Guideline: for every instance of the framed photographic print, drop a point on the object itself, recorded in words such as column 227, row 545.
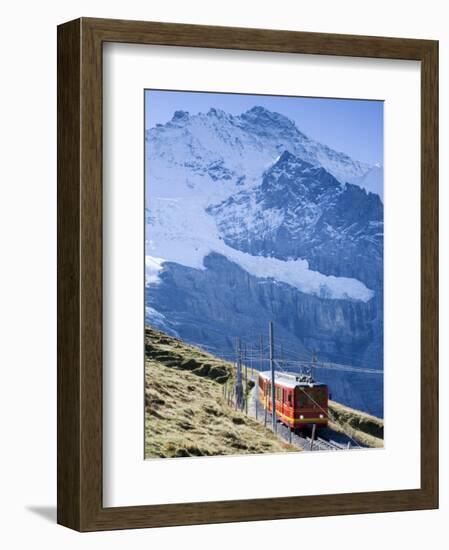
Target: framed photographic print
column 247, row 288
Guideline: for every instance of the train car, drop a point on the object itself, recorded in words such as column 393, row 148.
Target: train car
column 300, row 401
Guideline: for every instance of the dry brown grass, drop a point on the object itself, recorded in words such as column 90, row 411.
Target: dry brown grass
column 185, row 412
column 362, row 427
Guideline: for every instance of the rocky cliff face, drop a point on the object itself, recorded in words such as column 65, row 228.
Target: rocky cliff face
column 302, row 211
column 216, row 304
column 248, row 221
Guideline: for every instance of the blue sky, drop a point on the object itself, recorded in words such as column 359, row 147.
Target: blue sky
column 352, row 126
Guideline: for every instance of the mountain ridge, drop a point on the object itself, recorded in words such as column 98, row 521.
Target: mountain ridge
column 320, row 210
column 214, row 143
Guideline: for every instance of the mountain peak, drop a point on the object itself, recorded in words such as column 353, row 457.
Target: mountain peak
column 263, row 115
column 258, row 109
column 247, row 146
column 288, row 158
column 219, row 113
column 179, row 116
column 288, row 171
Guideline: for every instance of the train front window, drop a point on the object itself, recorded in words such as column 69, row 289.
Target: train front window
column 302, row 399
column 321, row 398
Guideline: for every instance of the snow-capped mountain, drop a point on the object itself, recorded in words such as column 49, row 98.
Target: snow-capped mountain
column 301, row 211
column 192, row 151
column 248, row 220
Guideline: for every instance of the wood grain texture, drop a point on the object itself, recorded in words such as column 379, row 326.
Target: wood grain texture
column 80, row 274
column 69, row 408
column 429, row 271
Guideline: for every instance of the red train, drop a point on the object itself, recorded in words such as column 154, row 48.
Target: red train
column 300, row 401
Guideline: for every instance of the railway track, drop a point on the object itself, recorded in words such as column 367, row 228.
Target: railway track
column 324, row 444
column 305, row 441
column 320, row 443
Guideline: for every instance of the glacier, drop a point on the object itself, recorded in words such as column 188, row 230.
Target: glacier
column 184, row 233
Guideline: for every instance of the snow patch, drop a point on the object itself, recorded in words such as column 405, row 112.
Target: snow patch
column 158, row 320
column 182, row 232
column 153, row 267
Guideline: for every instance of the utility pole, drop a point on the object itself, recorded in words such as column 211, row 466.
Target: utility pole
column 257, row 381
column 314, row 361
column 313, row 436
column 257, row 391
column 246, row 379
column 250, row 351
column 238, row 382
column 282, row 356
column 266, row 408
column 273, row 388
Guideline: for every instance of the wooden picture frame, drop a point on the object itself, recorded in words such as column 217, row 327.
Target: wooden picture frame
column 80, row 351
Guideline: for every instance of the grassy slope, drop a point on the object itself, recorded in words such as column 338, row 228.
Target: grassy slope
column 185, row 413
column 364, row 428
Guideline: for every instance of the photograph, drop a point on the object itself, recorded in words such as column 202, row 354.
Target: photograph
column 264, row 274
